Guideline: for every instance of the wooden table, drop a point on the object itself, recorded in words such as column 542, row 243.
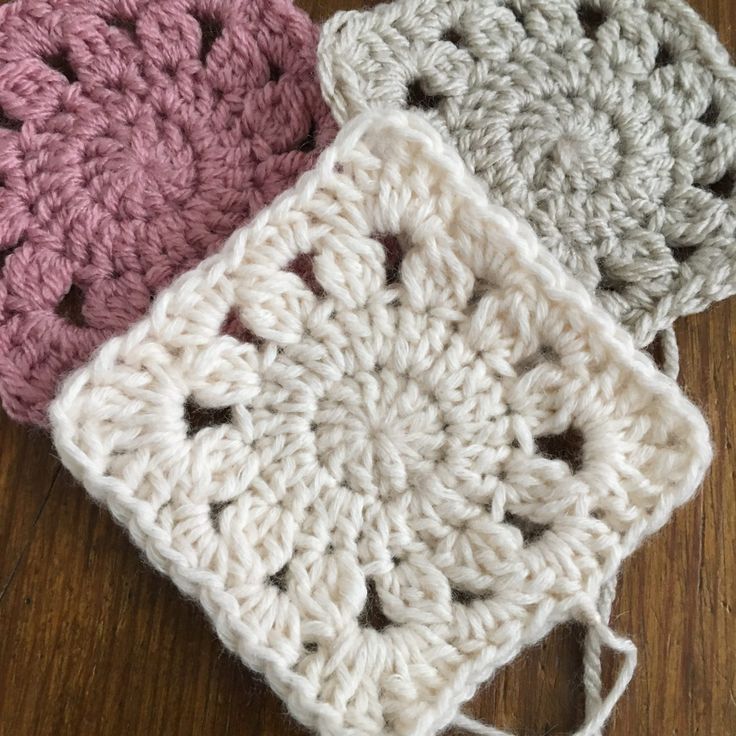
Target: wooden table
column 93, row 642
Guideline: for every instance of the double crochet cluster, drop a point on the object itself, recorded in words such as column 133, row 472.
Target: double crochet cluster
column 134, row 138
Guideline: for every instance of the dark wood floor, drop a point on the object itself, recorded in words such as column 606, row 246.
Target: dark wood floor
column 94, row 642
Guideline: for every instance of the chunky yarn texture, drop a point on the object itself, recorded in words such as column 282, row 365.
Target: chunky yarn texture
column 134, row 138
column 610, row 125
column 385, row 477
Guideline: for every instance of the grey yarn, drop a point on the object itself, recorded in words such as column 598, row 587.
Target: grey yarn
column 609, row 124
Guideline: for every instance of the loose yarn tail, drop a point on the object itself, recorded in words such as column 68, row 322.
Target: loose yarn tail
column 592, row 677
column 670, row 353
column 472, row 726
column 597, row 709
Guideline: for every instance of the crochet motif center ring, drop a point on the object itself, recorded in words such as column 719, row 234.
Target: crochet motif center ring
column 378, row 433
column 383, row 438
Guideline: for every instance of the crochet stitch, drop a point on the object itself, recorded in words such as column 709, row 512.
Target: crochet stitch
column 135, row 136
column 609, row 124
column 384, row 478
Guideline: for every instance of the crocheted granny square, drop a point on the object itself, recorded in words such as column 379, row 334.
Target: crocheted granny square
column 610, row 125
column 135, row 136
column 384, row 477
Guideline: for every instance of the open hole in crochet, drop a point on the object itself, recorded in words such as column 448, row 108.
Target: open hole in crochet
column 275, row 72
column 481, row 287
column 59, row 62
column 453, row 36
column 279, row 578
column 126, row 25
column 682, row 253
column 416, row 96
column 711, row 115
column 518, row 15
column 303, row 266
column 5, row 254
column 71, row 306
column 309, row 142
column 545, row 354
column 566, row 446
column 198, row 417
column 465, row 597
column 609, row 282
column 591, row 19
column 310, row 647
column 664, row 57
column 210, row 30
column 216, row 510
column 530, row 530
column 723, row 188
column 233, row 327
column 9, row 123
column 393, row 256
column 372, row 616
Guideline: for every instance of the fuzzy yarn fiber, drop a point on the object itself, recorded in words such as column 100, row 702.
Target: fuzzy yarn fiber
column 384, row 477
column 135, row 136
column 610, row 125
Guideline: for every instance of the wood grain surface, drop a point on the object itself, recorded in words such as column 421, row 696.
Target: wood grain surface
column 92, row 641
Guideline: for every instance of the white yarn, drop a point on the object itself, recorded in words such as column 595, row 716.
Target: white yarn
column 385, row 434
column 610, row 125
column 597, row 710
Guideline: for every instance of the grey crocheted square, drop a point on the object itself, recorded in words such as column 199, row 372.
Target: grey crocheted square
column 609, row 124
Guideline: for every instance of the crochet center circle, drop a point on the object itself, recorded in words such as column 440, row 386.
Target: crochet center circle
column 572, row 157
column 378, row 432
column 135, row 137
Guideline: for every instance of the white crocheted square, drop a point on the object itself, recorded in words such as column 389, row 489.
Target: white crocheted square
column 610, row 125
column 385, row 477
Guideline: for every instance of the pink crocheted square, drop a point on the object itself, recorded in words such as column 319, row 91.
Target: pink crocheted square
column 134, row 136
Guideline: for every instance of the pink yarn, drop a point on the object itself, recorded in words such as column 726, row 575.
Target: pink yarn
column 135, row 135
